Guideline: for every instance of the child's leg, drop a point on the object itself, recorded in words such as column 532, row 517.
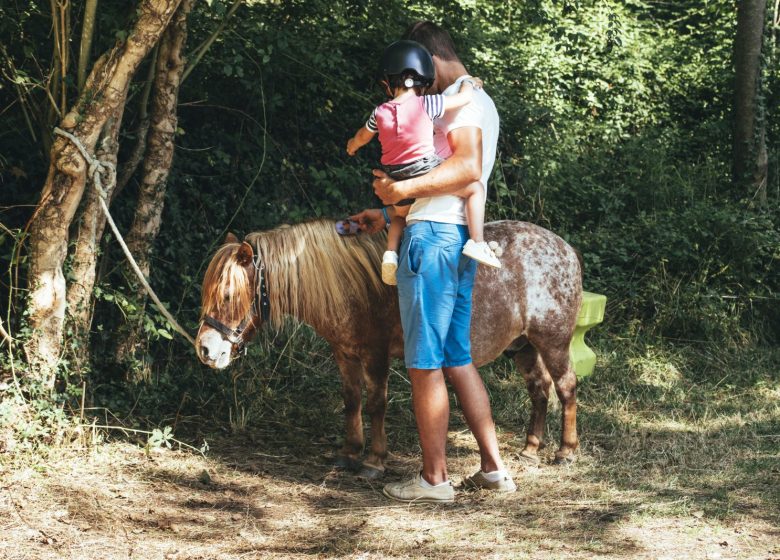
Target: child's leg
column 397, row 225
column 390, row 258
column 475, row 209
column 476, row 248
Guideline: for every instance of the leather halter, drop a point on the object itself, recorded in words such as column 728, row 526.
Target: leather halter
column 236, row 336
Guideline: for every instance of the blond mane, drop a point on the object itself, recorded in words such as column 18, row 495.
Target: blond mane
column 312, row 273
column 225, row 276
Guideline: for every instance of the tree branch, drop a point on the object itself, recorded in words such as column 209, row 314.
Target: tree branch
column 197, row 55
column 87, row 31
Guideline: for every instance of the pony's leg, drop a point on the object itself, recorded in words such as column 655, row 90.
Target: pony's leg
column 351, row 372
column 558, row 363
column 375, row 373
column 538, row 382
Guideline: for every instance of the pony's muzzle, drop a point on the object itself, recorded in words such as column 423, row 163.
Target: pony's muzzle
column 213, row 351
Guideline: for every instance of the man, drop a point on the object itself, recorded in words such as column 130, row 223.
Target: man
column 435, row 281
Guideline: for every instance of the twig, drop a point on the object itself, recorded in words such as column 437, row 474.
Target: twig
column 206, row 45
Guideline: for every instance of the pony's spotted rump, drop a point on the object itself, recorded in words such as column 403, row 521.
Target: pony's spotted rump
column 527, row 309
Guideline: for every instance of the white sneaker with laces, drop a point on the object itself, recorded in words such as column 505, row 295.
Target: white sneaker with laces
column 413, row 491
column 481, row 252
column 389, row 267
column 480, row 480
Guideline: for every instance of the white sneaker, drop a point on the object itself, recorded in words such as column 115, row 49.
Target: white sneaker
column 389, row 267
column 413, row 491
column 481, row 252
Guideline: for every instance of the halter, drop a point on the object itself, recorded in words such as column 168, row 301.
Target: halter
column 236, row 336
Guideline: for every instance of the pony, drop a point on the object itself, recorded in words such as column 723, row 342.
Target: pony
column 526, row 310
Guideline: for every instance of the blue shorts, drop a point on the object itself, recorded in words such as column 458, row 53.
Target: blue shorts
column 435, row 281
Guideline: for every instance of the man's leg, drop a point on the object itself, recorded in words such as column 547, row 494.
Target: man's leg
column 465, row 378
column 475, row 404
column 427, row 290
column 432, row 413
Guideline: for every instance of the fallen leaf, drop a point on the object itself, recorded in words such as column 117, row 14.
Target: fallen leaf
column 698, row 514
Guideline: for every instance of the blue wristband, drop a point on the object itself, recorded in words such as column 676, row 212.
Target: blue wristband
column 386, row 215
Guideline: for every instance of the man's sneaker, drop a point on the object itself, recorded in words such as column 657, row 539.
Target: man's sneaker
column 478, row 480
column 389, row 266
column 481, row 252
column 413, row 491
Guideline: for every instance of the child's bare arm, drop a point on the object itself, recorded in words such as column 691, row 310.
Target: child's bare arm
column 360, row 139
column 464, row 96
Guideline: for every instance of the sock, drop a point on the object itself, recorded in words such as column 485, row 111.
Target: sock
column 494, row 476
column 425, row 484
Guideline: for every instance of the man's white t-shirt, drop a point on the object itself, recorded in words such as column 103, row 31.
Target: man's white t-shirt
column 481, row 113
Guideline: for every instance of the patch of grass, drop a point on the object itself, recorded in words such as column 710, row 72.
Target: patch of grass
column 679, row 454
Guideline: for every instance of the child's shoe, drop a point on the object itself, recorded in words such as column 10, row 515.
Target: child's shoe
column 481, row 252
column 389, row 266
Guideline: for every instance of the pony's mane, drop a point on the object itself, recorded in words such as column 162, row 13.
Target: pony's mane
column 225, row 276
column 312, row 273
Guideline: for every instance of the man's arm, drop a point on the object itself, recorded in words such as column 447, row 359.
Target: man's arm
column 463, row 167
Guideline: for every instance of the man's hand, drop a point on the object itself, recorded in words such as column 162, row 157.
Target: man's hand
column 352, row 146
column 370, row 221
column 386, row 188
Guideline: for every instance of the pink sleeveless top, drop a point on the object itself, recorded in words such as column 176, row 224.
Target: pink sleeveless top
column 406, row 128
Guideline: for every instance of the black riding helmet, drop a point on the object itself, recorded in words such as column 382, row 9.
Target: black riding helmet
column 407, row 57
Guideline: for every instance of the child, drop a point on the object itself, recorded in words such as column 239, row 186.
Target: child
column 405, row 127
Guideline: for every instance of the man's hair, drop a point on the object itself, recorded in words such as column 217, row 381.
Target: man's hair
column 432, row 37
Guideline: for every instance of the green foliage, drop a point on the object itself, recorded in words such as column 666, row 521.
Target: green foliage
column 616, row 134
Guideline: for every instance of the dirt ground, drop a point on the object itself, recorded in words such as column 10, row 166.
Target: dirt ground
column 274, row 500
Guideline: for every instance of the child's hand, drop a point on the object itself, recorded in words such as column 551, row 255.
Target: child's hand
column 352, row 146
column 469, row 83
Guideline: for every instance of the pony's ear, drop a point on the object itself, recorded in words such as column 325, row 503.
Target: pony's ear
column 245, row 255
column 231, row 238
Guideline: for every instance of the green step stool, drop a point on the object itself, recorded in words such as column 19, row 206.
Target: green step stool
column 591, row 314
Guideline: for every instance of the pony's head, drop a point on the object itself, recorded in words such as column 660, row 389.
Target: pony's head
column 306, row 271
column 229, row 314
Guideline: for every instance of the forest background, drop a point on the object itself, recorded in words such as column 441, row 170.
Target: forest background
column 645, row 133
column 617, row 133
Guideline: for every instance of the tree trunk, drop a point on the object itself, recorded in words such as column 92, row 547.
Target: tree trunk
column 749, row 166
column 156, row 167
column 136, row 155
column 85, row 255
column 66, row 180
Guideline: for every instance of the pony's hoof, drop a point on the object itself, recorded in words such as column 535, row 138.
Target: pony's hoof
column 371, row 473
column 565, row 460
column 347, row 463
column 528, row 460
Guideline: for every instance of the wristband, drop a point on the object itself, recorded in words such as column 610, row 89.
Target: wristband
column 386, row 215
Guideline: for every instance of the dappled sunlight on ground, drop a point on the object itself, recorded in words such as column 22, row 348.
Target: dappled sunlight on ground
column 669, row 467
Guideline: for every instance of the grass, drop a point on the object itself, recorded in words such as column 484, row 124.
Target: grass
column 679, row 458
